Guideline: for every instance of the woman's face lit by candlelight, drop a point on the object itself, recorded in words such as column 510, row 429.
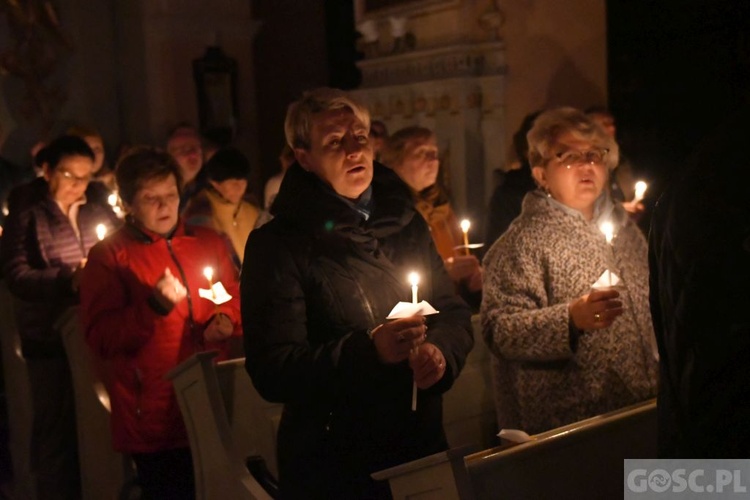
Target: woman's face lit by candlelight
column 339, row 152
column 156, row 204
column 578, row 183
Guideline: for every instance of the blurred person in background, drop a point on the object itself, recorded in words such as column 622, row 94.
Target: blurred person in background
column 221, row 204
column 412, row 153
column 185, row 145
column 44, row 250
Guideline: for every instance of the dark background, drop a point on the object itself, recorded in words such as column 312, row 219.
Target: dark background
column 676, row 70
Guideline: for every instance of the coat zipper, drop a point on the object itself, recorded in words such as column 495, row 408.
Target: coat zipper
column 191, row 320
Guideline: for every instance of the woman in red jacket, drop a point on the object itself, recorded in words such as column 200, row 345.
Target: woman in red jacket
column 143, row 314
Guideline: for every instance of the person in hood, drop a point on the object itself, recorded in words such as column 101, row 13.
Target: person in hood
column 318, row 284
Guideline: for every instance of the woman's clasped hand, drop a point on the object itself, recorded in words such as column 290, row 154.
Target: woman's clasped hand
column 598, row 309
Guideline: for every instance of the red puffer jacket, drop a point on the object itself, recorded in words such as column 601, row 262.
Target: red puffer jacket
column 141, row 343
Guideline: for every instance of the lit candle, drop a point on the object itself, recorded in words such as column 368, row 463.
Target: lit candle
column 414, row 281
column 609, row 231
column 101, row 231
column 208, row 272
column 112, row 199
column 465, row 225
column 640, row 190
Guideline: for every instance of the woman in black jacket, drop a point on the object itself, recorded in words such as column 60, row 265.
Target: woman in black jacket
column 317, row 284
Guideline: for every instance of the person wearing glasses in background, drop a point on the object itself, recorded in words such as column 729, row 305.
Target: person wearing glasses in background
column 564, row 352
column 44, row 249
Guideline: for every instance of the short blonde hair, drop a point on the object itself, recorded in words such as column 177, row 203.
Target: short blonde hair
column 551, row 124
column 299, row 114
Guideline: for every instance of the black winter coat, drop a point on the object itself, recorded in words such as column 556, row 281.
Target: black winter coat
column 699, row 253
column 315, row 280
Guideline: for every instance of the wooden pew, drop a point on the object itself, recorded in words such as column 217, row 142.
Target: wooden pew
column 105, row 473
column 583, row 460
column 226, row 422
column 252, row 423
column 469, row 406
column 253, row 420
column 18, row 395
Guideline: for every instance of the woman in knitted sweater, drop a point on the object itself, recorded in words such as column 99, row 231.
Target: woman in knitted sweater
column 564, row 351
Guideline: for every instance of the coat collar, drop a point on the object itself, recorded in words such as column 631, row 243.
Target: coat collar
column 306, row 201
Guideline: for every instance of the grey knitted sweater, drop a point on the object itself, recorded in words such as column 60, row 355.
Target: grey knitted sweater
column 547, row 374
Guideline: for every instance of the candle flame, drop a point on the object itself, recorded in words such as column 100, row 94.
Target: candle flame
column 413, row 279
column 608, row 229
column 208, row 272
column 112, row 198
column 640, row 190
column 465, row 225
column 101, row 231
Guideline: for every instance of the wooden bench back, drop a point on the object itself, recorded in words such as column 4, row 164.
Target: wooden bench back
column 582, row 460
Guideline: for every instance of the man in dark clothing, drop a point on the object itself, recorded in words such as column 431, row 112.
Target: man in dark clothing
column 505, row 204
column 317, row 285
column 699, row 252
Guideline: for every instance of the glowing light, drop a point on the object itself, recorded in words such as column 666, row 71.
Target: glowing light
column 101, row 231
column 609, row 231
column 414, row 281
column 465, row 225
column 640, row 190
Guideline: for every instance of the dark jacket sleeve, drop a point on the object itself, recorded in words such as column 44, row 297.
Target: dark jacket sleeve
column 24, row 266
column 279, row 358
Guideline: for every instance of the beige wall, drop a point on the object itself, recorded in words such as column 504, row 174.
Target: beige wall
column 555, row 50
column 556, row 53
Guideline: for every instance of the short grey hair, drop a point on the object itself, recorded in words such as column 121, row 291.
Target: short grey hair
column 553, row 123
column 299, row 114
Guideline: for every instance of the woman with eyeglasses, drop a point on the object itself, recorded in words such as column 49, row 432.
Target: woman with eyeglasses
column 45, row 245
column 412, row 153
column 566, row 350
